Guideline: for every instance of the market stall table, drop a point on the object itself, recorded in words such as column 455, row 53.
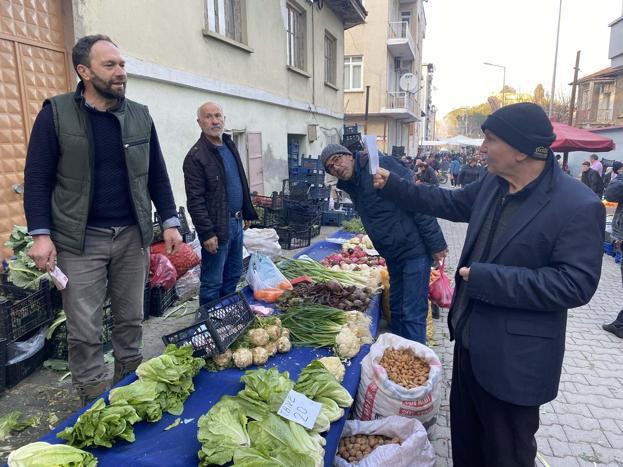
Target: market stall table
column 179, row 446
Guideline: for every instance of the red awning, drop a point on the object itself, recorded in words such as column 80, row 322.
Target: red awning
column 569, row 138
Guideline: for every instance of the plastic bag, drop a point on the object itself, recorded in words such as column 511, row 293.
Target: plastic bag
column 182, row 261
column 440, row 292
column 265, row 241
column 378, row 396
column 19, row 351
column 414, row 451
column 266, row 281
column 187, row 286
column 161, row 271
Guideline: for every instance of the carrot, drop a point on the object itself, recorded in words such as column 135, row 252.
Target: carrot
column 302, row 280
column 285, row 285
column 269, row 295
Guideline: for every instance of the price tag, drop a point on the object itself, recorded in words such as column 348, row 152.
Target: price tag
column 300, row 409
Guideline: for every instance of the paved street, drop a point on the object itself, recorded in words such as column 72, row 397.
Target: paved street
column 584, row 425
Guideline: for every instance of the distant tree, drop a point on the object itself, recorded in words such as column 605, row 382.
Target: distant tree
column 539, row 94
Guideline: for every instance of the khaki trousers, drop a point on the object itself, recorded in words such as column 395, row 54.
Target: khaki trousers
column 113, row 263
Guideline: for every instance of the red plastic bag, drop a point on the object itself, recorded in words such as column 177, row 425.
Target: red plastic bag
column 440, row 292
column 161, row 271
column 184, row 260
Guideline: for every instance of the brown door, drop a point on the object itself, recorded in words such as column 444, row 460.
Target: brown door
column 255, row 163
column 33, row 66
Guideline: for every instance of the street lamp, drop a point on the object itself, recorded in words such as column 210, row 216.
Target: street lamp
column 503, row 80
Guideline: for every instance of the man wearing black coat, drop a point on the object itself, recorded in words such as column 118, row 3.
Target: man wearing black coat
column 218, row 202
column 408, row 241
column 533, row 250
column 592, row 179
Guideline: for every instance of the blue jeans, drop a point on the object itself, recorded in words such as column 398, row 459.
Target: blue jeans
column 408, row 297
column 220, row 272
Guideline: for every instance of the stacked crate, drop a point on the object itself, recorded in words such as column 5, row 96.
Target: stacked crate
column 23, row 314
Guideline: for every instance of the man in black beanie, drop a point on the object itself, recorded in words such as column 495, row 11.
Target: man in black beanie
column 614, row 193
column 533, row 249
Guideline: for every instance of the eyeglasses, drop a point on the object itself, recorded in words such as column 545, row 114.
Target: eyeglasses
column 336, row 159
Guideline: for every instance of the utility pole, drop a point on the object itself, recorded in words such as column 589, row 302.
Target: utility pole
column 551, row 97
column 574, row 87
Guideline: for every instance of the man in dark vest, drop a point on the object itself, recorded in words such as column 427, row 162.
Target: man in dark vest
column 533, row 250
column 218, row 202
column 93, row 168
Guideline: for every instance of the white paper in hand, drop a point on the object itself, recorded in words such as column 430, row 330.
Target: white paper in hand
column 59, row 278
column 373, row 153
column 300, row 409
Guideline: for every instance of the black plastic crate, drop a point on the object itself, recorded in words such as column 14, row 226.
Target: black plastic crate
column 146, row 301
column 3, row 358
column 22, row 310
column 294, row 236
column 58, row 343
column 311, row 163
column 275, row 201
column 351, row 130
column 267, row 217
column 218, row 325
column 184, row 228
column 160, row 300
column 332, row 217
column 319, row 192
column 18, row 371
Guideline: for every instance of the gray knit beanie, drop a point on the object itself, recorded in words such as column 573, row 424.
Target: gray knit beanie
column 332, row 149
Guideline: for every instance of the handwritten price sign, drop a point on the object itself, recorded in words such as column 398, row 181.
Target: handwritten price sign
column 300, row 409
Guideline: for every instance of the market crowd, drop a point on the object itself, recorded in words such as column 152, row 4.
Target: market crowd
column 533, row 247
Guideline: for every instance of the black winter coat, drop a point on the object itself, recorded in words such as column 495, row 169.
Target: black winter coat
column 396, row 233
column 206, row 192
column 547, row 260
column 468, row 175
column 592, row 179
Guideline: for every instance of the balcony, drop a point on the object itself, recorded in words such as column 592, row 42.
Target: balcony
column 401, row 106
column 598, row 116
column 399, row 40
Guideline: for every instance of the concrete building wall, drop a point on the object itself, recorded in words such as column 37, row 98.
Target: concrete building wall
column 175, row 65
column 369, row 40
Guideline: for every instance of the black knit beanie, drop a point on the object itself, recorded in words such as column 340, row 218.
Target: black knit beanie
column 524, row 126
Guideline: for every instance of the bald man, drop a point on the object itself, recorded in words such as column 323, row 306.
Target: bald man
column 219, row 203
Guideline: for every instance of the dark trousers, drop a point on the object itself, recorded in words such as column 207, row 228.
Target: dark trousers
column 485, row 430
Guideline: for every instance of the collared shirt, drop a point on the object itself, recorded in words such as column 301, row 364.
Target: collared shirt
column 598, row 167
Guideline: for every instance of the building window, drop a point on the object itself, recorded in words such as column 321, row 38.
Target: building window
column 330, row 59
column 226, row 17
column 353, row 73
column 296, row 37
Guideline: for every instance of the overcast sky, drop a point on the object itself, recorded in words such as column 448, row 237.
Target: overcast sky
column 520, row 34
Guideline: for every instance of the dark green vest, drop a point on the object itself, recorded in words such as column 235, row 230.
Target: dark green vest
column 71, row 198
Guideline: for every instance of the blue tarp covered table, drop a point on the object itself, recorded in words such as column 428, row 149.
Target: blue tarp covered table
column 179, row 446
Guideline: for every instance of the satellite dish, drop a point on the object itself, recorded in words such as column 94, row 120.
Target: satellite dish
column 408, row 82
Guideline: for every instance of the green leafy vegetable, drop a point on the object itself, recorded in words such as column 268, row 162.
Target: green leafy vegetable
column 44, row 454
column 315, row 381
column 274, row 434
column 175, row 423
column 101, row 425
column 173, row 371
column 12, row 423
column 268, row 386
column 142, row 395
column 221, row 432
column 19, row 239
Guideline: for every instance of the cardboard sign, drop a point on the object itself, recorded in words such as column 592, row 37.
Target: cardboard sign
column 300, row 409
